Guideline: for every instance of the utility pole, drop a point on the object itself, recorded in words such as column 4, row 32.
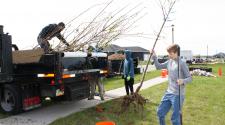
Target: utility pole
column 207, row 53
column 172, row 33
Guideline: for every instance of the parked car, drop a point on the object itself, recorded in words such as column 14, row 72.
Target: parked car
column 197, row 60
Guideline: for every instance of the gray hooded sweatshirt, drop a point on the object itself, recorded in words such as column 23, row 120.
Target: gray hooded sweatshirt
column 172, row 67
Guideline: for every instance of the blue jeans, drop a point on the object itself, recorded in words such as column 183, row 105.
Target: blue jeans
column 168, row 101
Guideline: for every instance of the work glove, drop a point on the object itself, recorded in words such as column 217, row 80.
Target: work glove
column 128, row 78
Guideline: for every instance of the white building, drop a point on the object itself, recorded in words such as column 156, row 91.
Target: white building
column 186, row 55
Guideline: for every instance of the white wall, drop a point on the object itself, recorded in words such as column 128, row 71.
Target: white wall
column 186, row 54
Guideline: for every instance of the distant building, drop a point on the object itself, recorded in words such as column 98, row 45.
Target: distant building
column 186, row 55
column 112, row 49
column 219, row 55
column 137, row 52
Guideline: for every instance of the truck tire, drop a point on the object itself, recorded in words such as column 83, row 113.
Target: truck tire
column 10, row 100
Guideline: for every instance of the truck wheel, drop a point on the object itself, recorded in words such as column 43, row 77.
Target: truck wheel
column 10, row 99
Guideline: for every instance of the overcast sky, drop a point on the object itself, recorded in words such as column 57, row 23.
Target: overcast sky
column 198, row 23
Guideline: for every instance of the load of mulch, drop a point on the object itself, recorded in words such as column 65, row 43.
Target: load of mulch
column 116, row 57
column 27, row 56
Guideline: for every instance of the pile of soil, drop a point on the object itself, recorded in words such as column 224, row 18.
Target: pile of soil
column 27, row 56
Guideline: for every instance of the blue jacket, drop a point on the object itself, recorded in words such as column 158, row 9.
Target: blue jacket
column 128, row 67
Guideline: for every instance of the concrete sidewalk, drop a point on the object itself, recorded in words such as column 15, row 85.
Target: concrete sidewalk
column 116, row 93
column 46, row 115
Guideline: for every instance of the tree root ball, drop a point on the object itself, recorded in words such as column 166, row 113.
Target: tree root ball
column 136, row 99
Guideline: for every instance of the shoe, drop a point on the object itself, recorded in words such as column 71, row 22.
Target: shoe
column 102, row 99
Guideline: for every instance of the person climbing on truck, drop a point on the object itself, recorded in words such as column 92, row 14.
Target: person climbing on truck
column 48, row 32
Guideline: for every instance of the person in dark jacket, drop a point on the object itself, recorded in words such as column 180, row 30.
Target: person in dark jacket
column 48, row 32
column 94, row 78
column 128, row 72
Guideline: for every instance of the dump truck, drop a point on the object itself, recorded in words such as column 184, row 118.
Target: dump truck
column 27, row 77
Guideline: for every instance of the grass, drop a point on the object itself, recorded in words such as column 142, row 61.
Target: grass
column 204, row 105
column 3, row 115
column 143, row 62
column 117, row 81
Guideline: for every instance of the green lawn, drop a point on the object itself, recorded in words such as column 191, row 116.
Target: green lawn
column 143, row 62
column 2, row 115
column 204, row 105
column 117, row 81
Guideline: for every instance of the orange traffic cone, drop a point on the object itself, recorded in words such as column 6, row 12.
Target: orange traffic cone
column 163, row 73
column 105, row 123
column 220, row 71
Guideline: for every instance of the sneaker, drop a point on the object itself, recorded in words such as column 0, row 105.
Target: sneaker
column 102, row 98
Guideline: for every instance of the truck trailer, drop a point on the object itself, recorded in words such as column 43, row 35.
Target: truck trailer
column 27, row 77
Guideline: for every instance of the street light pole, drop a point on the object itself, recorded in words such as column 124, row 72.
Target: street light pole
column 207, row 53
column 172, row 33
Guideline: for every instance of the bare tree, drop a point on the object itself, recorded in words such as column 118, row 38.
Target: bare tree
column 102, row 29
column 136, row 99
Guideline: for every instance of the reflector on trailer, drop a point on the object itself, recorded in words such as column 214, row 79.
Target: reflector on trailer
column 68, row 76
column 31, row 102
column 46, row 75
column 52, row 82
column 103, row 71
